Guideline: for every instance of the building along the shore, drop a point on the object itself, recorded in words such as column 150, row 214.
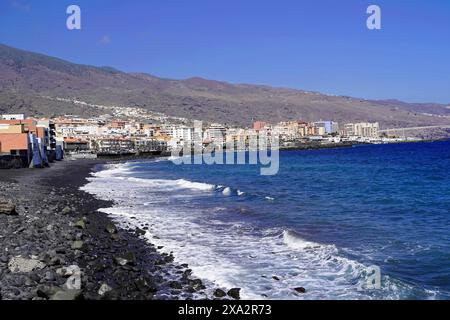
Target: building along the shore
column 363, row 130
column 28, row 141
column 330, row 127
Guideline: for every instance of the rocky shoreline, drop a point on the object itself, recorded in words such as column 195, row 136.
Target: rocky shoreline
column 55, row 245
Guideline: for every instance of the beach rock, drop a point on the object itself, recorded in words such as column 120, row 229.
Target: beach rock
column 115, row 237
column 49, row 276
column 66, row 211
column 104, row 289
column 125, row 259
column 67, row 295
column 80, row 224
column 73, row 283
column 175, row 285
column 79, row 245
column 111, row 228
column 46, row 292
column 22, row 265
column 234, row 293
column 140, row 232
column 197, row 284
column 300, row 290
column 219, row 293
column 7, row 207
column 145, row 285
column 69, row 271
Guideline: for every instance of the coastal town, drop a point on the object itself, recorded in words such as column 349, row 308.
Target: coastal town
column 36, row 142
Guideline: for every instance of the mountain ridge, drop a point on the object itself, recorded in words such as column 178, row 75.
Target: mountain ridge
column 25, row 77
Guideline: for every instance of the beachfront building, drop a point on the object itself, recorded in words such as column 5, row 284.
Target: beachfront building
column 259, row 125
column 150, row 130
column 114, row 146
column 76, row 145
column 238, row 138
column 148, row 145
column 215, row 132
column 28, row 140
column 12, row 116
column 330, row 127
column 362, row 130
column 14, row 139
column 182, row 133
column 287, row 131
column 71, row 127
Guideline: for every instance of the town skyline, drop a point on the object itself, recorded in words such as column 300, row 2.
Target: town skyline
column 35, row 142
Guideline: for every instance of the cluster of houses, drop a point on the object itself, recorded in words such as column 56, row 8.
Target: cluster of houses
column 27, row 142
column 32, row 142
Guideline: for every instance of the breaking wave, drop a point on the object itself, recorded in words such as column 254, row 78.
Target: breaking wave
column 265, row 262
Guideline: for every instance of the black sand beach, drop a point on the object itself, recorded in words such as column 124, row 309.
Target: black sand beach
column 59, row 247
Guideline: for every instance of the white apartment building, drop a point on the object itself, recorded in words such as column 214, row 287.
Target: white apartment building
column 77, row 130
column 287, row 130
column 13, row 117
column 182, row 133
column 215, row 132
column 362, row 129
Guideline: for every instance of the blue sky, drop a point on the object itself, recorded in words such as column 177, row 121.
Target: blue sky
column 319, row 45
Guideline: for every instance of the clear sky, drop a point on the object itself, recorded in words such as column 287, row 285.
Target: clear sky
column 319, row 45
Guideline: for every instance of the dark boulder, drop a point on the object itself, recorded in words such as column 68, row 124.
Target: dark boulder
column 234, row 293
column 175, row 285
column 300, row 290
column 140, row 232
column 111, row 228
column 219, row 293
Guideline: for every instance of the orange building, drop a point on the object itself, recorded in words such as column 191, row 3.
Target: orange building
column 14, row 143
column 259, row 125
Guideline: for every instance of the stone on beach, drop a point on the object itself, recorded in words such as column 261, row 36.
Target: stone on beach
column 79, row 245
column 67, row 295
column 140, row 232
column 104, row 289
column 22, row 265
column 300, row 290
column 219, row 293
column 66, row 210
column 68, row 271
column 234, row 293
column 73, row 283
column 111, row 228
column 80, row 224
column 7, row 207
column 126, row 259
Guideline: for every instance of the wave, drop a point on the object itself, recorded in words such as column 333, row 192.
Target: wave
column 294, row 241
column 233, row 253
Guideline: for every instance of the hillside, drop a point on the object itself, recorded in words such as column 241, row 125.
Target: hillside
column 27, row 79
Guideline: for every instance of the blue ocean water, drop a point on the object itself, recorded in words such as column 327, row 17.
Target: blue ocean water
column 319, row 224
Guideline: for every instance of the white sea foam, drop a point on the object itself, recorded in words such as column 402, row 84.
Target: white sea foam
column 226, row 191
column 232, row 254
